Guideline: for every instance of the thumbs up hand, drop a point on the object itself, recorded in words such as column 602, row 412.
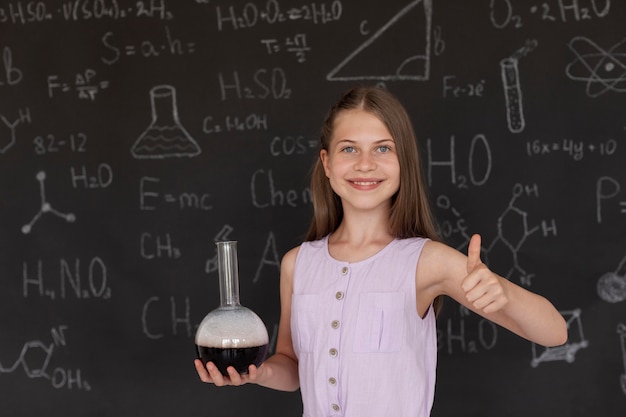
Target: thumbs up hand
column 483, row 289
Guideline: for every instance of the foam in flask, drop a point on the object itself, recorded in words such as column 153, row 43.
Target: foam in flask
column 231, row 335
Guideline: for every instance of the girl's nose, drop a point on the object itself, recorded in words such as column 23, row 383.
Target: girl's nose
column 365, row 162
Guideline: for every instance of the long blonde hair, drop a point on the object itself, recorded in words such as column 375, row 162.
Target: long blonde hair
column 410, row 214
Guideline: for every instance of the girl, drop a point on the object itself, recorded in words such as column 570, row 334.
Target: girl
column 359, row 297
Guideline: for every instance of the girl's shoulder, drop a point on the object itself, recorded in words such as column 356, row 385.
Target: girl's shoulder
column 438, row 261
column 290, row 256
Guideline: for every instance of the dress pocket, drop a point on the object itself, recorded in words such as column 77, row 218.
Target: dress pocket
column 379, row 322
column 305, row 312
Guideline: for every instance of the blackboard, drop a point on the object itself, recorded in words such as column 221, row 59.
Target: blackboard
column 107, row 257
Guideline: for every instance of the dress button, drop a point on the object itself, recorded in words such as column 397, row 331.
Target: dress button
column 334, row 324
column 339, row 295
column 344, row 270
column 332, row 352
column 335, row 407
column 332, row 381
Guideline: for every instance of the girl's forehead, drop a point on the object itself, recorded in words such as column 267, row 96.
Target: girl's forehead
column 351, row 119
column 359, row 123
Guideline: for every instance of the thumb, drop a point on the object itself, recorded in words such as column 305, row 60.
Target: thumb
column 473, row 253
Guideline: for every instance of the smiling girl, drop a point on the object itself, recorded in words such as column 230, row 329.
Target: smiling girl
column 359, row 297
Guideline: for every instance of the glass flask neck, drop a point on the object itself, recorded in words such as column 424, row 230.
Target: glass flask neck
column 228, row 273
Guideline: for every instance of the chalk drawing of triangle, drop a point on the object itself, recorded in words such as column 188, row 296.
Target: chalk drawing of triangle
column 399, row 50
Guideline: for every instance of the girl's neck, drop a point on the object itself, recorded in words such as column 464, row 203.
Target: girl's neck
column 357, row 239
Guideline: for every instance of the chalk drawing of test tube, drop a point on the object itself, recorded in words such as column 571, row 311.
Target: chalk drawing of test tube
column 512, row 94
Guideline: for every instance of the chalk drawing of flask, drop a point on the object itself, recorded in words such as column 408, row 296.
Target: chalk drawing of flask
column 165, row 136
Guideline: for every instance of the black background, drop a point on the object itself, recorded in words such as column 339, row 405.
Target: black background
column 98, row 314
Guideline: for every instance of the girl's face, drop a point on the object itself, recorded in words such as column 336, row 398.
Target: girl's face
column 361, row 161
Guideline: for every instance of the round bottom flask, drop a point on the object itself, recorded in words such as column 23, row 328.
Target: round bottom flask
column 231, row 335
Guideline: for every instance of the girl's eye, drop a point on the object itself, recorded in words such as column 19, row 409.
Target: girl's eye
column 348, row 149
column 384, row 149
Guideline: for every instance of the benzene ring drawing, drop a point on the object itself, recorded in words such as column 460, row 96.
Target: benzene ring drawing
column 602, row 70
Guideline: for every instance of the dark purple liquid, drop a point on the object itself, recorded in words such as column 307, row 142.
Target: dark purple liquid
column 239, row 358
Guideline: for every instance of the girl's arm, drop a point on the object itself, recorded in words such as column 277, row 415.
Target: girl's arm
column 471, row 283
column 280, row 371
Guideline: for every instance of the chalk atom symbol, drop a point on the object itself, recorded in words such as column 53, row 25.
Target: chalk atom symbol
column 602, row 70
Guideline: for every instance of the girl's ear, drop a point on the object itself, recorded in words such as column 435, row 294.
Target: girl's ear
column 324, row 159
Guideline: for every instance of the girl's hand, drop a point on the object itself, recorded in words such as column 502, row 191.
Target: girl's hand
column 483, row 289
column 211, row 375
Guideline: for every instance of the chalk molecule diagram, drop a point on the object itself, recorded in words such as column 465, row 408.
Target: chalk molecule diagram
column 45, row 207
column 35, row 359
column 7, row 141
column 602, row 70
column 513, row 230
column 567, row 352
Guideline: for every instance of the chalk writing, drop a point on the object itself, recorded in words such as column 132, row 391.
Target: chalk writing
column 45, row 207
column 266, row 84
column 574, row 149
column 479, row 146
column 509, row 72
column 567, row 352
column 35, row 360
column 25, row 12
column 455, row 229
column 265, row 194
column 606, row 189
column 454, row 334
column 165, row 136
column 602, row 70
column 158, row 247
column 270, row 257
column 296, row 45
column 69, row 279
column 621, row 331
column 611, row 286
column 154, row 329
column 414, row 66
column 50, row 143
column 502, row 254
column 84, row 85
column 251, row 122
column 8, row 140
column 168, row 46
column 12, row 75
column 502, row 14
column 148, row 198
column 222, row 235
column 250, row 14
column 102, row 177
column 75, row 10
column 292, row 145
column 452, row 89
column 513, row 230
